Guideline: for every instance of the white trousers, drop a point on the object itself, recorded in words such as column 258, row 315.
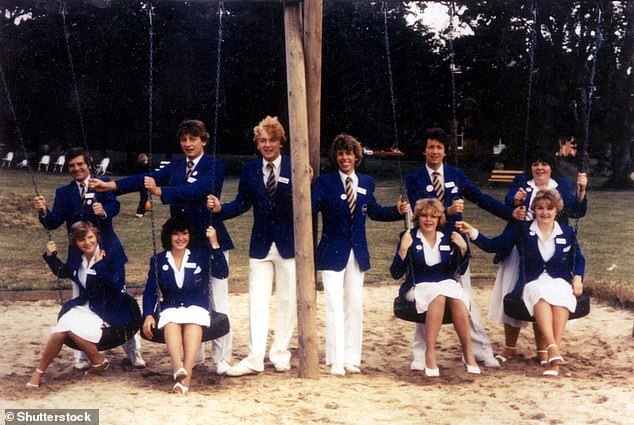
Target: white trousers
column 219, row 292
column 343, row 293
column 479, row 338
column 261, row 275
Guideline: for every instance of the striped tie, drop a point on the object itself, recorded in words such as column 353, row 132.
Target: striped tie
column 270, row 182
column 438, row 189
column 352, row 202
column 190, row 168
column 82, row 193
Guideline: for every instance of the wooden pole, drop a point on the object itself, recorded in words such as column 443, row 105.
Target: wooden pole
column 313, row 18
column 298, row 125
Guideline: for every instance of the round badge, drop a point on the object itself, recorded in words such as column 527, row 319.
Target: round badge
column 532, row 233
column 343, row 196
column 74, row 272
column 89, row 201
column 419, row 247
column 430, row 188
column 166, row 267
column 529, row 189
column 195, row 173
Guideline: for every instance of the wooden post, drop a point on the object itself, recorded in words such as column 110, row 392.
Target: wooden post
column 298, row 125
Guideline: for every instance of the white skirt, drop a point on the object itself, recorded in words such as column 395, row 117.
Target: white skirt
column 425, row 292
column 183, row 315
column 554, row 291
column 505, row 281
column 81, row 321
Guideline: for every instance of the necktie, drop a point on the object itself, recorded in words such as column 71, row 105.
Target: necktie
column 190, row 167
column 82, row 193
column 270, row 182
column 438, row 189
column 352, row 202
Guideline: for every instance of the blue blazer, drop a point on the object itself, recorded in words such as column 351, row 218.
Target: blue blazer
column 566, row 262
column 342, row 232
column 414, row 267
column 104, row 291
column 188, row 199
column 67, row 208
column 573, row 208
column 457, row 186
column 195, row 290
column 272, row 216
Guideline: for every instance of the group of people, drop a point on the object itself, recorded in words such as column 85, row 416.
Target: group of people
column 189, row 278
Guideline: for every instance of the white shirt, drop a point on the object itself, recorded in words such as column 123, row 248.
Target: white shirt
column 355, row 181
column 546, row 245
column 440, row 171
column 179, row 275
column 277, row 163
column 432, row 253
column 82, row 273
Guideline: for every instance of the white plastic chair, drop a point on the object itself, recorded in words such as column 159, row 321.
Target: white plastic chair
column 102, row 167
column 59, row 164
column 44, row 162
column 8, row 158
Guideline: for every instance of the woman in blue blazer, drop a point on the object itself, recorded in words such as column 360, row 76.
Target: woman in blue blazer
column 432, row 261
column 182, row 277
column 551, row 270
column 345, row 198
column 101, row 301
column 544, row 173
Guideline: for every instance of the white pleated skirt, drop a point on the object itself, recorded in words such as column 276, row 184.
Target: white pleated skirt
column 183, row 315
column 81, row 321
column 425, row 292
column 554, row 291
column 505, row 280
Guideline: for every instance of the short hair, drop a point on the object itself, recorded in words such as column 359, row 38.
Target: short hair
column 551, row 197
column 80, row 229
column 73, row 153
column 429, row 205
column 194, row 128
column 347, row 143
column 171, row 226
column 272, row 126
column 542, row 155
column 142, row 158
column 435, row 133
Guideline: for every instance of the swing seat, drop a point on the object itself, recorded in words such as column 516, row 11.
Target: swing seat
column 115, row 336
column 515, row 308
column 219, row 326
column 406, row 310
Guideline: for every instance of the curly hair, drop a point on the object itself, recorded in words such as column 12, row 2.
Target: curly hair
column 272, row 126
column 347, row 143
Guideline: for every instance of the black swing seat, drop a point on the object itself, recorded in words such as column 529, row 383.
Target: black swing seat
column 515, row 308
column 115, row 336
column 406, row 310
column 219, row 326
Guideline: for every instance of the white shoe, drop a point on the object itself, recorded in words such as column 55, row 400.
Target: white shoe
column 490, row 362
column 337, row 370
column 350, row 368
column 82, row 364
column 474, row 370
column 240, row 370
column 222, row 367
column 136, row 360
column 417, row 365
column 282, row 367
column 432, row 373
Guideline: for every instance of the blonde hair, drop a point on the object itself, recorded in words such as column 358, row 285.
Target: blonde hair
column 550, row 197
column 272, row 126
column 429, row 206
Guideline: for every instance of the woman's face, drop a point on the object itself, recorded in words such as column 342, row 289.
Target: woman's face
column 541, row 172
column 545, row 213
column 87, row 244
column 180, row 240
column 428, row 222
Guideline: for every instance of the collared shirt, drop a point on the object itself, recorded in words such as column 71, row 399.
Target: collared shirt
column 552, row 184
column 195, row 161
column 546, row 245
column 440, row 171
column 85, row 183
column 355, row 181
column 277, row 163
column 82, row 272
column 432, row 253
column 179, row 275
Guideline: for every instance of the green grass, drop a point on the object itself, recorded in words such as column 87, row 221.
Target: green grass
column 604, row 234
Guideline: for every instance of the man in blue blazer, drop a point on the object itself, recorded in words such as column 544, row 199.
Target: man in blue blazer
column 77, row 202
column 345, row 198
column 450, row 185
column 184, row 184
column 265, row 185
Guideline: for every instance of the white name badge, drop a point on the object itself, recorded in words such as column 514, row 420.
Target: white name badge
column 190, row 265
column 560, row 241
column 450, row 184
column 444, row 248
column 191, row 180
column 91, row 271
column 419, row 247
column 283, row 180
column 166, row 267
column 343, row 196
column 429, row 188
column 361, row 190
column 89, row 195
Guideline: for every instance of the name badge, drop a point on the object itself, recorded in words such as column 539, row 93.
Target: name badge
column 362, row 190
column 429, row 188
column 191, row 180
column 165, row 267
column 91, row 271
column 450, row 184
column 89, row 195
column 444, row 248
column 560, row 241
column 190, row 265
column 283, row 180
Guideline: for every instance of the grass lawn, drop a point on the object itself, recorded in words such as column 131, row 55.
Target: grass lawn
column 605, row 237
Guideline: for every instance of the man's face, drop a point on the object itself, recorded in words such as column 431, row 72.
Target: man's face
column 192, row 146
column 270, row 148
column 78, row 168
column 434, row 153
column 345, row 161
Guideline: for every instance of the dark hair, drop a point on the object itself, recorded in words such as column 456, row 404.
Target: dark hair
column 542, row 155
column 73, row 153
column 80, row 229
column 194, row 128
column 435, row 133
column 347, row 143
column 171, row 226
